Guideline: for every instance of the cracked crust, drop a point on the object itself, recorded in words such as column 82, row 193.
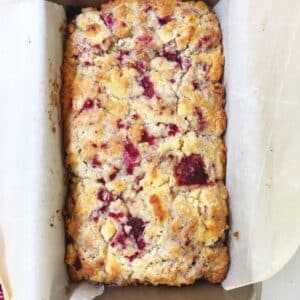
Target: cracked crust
column 143, row 124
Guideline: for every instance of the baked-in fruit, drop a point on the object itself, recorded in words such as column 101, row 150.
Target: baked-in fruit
column 143, row 124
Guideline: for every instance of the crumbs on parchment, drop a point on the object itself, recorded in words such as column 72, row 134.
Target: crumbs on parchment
column 51, row 221
column 53, row 98
column 236, row 234
column 56, row 218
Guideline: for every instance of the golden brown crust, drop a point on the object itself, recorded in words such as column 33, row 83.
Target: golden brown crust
column 143, row 119
column 217, row 259
column 158, row 208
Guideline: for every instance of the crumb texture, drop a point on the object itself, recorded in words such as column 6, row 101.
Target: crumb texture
column 143, row 124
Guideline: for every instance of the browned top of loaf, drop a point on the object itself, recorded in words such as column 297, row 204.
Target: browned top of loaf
column 143, row 118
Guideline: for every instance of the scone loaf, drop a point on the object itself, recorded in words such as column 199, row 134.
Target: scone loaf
column 143, row 124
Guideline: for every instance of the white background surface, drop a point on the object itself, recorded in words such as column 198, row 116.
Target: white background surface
column 286, row 284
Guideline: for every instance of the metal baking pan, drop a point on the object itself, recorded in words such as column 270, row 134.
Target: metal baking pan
column 198, row 291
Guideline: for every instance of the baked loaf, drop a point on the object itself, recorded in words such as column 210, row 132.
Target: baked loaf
column 143, row 119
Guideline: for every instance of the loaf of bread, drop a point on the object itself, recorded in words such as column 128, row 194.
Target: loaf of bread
column 143, row 123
